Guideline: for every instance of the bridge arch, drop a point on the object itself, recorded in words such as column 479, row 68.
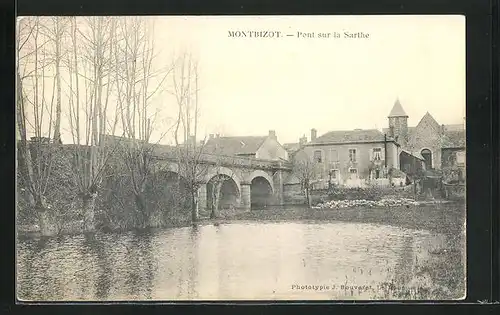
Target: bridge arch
column 223, row 188
column 224, row 171
column 261, row 189
column 260, row 173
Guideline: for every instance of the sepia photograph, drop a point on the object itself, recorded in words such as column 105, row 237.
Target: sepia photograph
column 240, row 158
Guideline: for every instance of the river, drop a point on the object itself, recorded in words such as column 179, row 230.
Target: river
column 234, row 260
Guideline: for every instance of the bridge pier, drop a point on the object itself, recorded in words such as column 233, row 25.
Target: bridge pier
column 278, row 187
column 202, row 198
column 246, row 201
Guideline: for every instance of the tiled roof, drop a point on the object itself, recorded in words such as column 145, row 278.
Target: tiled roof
column 418, row 155
column 397, row 110
column 234, row 145
column 454, row 139
column 387, row 130
column 350, row 136
column 454, row 127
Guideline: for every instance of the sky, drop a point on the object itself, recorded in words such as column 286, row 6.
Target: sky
column 249, row 86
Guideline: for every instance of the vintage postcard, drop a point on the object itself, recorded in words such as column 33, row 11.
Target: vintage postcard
column 196, row 158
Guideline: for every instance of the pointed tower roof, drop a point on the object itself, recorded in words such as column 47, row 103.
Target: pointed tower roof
column 397, row 110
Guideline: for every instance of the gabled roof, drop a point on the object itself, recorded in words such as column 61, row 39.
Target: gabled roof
column 429, row 120
column 351, row 136
column 397, row 110
column 417, row 155
column 234, row 145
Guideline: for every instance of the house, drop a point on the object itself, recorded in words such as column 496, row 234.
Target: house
column 293, row 148
column 263, row 147
column 388, row 157
column 352, row 157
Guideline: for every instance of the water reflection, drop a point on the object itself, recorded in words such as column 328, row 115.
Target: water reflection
column 227, row 261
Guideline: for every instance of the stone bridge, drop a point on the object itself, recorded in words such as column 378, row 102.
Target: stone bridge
column 245, row 183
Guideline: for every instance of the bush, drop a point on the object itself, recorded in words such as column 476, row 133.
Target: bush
column 115, row 204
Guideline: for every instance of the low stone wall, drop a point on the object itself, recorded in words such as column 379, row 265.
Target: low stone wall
column 370, row 193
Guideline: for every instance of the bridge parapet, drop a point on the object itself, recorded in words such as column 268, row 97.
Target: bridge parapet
column 224, row 160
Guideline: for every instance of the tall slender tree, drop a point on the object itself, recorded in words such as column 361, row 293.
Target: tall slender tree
column 91, row 67
column 139, row 79
column 34, row 116
column 190, row 151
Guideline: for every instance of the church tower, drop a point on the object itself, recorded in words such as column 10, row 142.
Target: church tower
column 398, row 124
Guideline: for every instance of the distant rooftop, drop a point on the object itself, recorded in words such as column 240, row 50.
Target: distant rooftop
column 234, row 145
column 351, row 136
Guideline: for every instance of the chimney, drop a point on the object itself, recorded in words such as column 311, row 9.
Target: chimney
column 443, row 129
column 272, row 134
column 314, row 134
column 211, row 136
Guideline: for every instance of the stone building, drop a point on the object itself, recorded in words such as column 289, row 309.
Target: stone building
column 439, row 145
column 352, row 157
column 389, row 157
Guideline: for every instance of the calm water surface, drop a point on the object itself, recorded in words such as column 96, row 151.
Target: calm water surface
column 241, row 260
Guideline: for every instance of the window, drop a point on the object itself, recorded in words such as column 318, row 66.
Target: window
column 334, row 155
column 353, row 173
column 334, row 174
column 352, row 155
column 377, row 154
column 377, row 174
column 318, row 156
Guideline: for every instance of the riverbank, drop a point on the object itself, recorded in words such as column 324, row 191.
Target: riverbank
column 442, row 218
column 433, row 217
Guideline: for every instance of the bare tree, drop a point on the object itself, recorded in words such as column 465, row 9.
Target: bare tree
column 305, row 169
column 55, row 28
column 91, row 67
column 34, row 115
column 190, row 152
column 217, row 181
column 136, row 87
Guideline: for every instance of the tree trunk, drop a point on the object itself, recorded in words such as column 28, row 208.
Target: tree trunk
column 194, row 207
column 47, row 226
column 57, row 125
column 215, row 202
column 88, row 202
column 308, row 197
column 143, row 215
